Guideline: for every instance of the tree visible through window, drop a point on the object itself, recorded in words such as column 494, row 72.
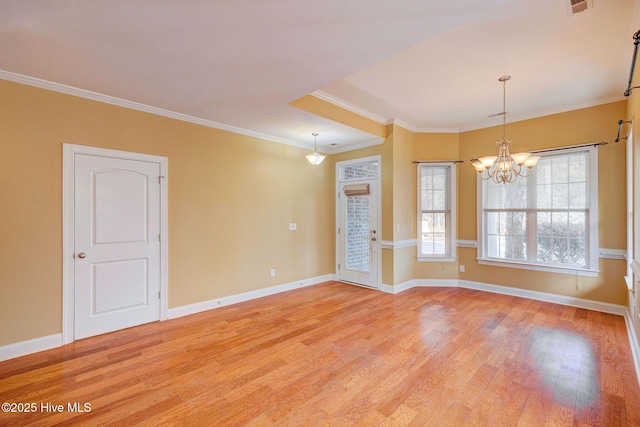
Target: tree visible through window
column 543, row 219
column 436, row 205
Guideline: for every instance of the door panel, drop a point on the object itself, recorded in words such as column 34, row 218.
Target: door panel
column 358, row 236
column 116, row 244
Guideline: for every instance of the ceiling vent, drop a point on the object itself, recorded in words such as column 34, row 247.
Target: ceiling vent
column 577, row 6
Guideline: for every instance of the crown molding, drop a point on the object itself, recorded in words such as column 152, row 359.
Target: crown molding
column 350, row 147
column 349, row 107
column 415, row 129
column 107, row 99
column 543, row 113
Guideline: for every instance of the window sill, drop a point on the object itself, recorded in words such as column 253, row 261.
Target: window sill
column 436, row 259
column 537, row 267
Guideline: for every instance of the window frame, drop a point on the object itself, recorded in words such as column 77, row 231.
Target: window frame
column 591, row 244
column 450, row 228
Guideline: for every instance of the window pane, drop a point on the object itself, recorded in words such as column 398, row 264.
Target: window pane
column 544, row 249
column 434, row 188
column 577, row 252
column 578, row 195
column 544, row 224
column 508, row 237
column 560, row 250
column 507, row 196
column 577, row 224
column 357, row 233
column 560, row 170
column 560, row 196
column 560, row 232
column 560, row 224
column 433, row 239
column 360, row 170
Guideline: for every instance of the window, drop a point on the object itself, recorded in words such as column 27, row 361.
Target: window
column 546, row 221
column 436, row 211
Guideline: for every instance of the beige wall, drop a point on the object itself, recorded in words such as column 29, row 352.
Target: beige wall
column 231, row 198
column 571, row 128
column 434, row 146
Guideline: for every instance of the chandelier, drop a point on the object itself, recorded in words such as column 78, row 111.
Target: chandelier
column 316, row 157
column 505, row 167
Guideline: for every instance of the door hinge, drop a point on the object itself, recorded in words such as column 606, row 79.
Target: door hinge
column 159, row 237
column 338, row 266
column 158, row 294
column 160, row 179
column 338, row 230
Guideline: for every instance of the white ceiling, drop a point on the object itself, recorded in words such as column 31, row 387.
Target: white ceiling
column 431, row 65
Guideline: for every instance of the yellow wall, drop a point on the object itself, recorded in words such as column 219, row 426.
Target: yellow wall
column 434, row 146
column 323, row 108
column 231, row 198
column 575, row 127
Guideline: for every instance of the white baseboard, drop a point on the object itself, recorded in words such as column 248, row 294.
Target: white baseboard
column 506, row 290
column 186, row 310
column 35, row 345
column 546, row 297
column 633, row 341
column 30, row 346
column 431, row 283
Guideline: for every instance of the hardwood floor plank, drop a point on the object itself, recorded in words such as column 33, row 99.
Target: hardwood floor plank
column 334, row 354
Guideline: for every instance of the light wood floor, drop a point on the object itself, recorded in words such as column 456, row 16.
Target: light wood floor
column 335, row 354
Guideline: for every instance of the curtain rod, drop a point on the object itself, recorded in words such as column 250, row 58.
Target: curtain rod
column 592, row 144
column 620, row 123
column 569, row 147
column 437, row 161
column 636, row 41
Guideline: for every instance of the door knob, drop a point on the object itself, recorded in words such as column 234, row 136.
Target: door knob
column 373, row 239
column 82, row 255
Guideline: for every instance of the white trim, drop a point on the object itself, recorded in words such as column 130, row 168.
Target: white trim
column 612, row 253
column 538, row 267
column 186, row 310
column 507, row 290
column 546, row 297
column 398, row 244
column 415, row 129
column 69, row 152
column 592, row 251
column 467, row 243
column 436, row 258
column 107, row 99
column 545, row 112
column 30, row 346
column 349, row 107
column 350, row 147
column 377, row 158
column 452, row 196
column 633, row 342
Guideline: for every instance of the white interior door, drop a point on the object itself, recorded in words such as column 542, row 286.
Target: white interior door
column 116, row 244
column 358, row 234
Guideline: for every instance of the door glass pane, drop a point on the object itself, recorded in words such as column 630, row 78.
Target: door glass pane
column 357, row 233
column 359, row 171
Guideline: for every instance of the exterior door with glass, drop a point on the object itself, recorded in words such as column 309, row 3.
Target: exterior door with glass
column 358, row 235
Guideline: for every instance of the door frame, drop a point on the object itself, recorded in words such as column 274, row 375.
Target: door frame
column 377, row 201
column 68, row 220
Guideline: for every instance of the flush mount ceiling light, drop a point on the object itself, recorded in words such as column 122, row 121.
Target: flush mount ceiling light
column 315, row 158
column 505, row 167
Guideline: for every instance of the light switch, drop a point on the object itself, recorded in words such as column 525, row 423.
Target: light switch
column 293, row 226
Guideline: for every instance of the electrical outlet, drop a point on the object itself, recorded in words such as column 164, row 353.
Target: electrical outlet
column 461, row 268
column 273, row 272
column 293, row 226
